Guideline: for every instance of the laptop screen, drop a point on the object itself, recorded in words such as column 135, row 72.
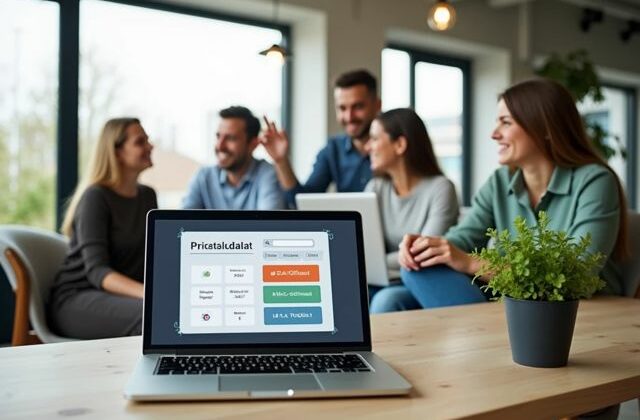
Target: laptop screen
column 254, row 280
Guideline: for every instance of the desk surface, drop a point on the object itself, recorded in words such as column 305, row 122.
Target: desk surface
column 458, row 360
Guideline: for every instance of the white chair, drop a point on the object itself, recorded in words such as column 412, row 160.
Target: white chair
column 31, row 257
column 631, row 268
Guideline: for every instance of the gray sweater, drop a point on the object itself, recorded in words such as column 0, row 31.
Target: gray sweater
column 108, row 235
column 430, row 209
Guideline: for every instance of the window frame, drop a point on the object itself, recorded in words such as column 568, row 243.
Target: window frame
column 68, row 83
column 631, row 109
column 465, row 66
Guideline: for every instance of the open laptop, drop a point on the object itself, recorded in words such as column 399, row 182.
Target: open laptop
column 250, row 304
column 366, row 204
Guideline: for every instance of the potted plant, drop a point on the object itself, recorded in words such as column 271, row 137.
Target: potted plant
column 540, row 274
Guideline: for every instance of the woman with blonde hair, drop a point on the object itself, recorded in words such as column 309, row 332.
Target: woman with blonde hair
column 98, row 291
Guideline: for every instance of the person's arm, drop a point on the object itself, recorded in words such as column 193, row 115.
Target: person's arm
column 193, row 198
column 318, row 181
column 120, row 284
column 91, row 226
column 270, row 195
column 598, row 212
column 471, row 232
column 276, row 143
column 443, row 210
column 416, row 251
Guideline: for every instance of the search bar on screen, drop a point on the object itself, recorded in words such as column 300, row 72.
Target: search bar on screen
column 289, row 243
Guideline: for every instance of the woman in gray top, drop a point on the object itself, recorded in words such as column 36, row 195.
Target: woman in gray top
column 98, row 291
column 413, row 194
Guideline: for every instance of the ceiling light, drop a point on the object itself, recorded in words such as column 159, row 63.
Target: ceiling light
column 276, row 53
column 442, row 16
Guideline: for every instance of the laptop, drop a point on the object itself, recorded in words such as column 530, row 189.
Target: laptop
column 366, row 204
column 256, row 304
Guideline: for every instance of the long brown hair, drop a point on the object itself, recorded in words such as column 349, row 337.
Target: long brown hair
column 103, row 168
column 547, row 113
column 420, row 158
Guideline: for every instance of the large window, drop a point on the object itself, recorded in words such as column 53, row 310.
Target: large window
column 437, row 88
column 28, row 111
column 617, row 116
column 69, row 65
column 175, row 72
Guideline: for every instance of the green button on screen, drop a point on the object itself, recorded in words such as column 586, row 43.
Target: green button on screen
column 291, row 294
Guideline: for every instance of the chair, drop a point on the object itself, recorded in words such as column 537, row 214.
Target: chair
column 630, row 269
column 30, row 258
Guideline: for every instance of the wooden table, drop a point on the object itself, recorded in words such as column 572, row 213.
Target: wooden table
column 458, row 359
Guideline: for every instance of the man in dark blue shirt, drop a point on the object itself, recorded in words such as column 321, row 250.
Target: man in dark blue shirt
column 344, row 160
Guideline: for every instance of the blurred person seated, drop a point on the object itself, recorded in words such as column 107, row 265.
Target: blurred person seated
column 413, row 194
column 344, row 161
column 98, row 292
column 238, row 181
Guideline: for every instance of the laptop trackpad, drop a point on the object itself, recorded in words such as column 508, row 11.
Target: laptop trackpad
column 273, row 382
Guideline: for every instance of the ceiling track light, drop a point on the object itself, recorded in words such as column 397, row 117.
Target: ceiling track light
column 589, row 17
column 633, row 26
column 442, row 16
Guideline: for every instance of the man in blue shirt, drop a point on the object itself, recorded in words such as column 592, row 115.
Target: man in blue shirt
column 344, row 159
column 238, row 181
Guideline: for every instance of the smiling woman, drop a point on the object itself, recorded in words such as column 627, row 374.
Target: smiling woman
column 98, row 290
column 549, row 165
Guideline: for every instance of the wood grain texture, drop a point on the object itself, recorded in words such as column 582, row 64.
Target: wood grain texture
column 458, row 360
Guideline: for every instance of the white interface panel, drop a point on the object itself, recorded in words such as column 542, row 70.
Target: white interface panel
column 255, row 282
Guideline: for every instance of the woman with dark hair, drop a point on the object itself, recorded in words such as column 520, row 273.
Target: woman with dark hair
column 413, row 194
column 548, row 164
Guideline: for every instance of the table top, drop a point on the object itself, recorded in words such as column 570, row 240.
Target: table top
column 458, row 360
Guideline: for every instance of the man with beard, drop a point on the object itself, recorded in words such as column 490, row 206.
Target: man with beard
column 344, row 160
column 238, row 181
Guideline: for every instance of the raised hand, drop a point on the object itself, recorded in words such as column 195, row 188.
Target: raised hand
column 275, row 142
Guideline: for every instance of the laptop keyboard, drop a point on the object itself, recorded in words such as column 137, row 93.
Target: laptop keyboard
column 292, row 363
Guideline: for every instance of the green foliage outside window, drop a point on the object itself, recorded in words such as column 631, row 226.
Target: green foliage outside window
column 28, row 189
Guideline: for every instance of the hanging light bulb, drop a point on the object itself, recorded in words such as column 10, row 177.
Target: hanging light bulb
column 442, row 16
column 276, row 53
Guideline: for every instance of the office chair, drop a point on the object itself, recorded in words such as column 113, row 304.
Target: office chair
column 31, row 257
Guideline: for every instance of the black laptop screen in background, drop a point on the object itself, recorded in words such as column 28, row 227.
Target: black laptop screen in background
column 262, row 283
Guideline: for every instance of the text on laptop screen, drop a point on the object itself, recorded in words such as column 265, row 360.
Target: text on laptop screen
column 252, row 282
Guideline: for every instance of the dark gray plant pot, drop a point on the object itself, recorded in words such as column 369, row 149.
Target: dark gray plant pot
column 540, row 333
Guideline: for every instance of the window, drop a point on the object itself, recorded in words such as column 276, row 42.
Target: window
column 175, row 72
column 28, row 111
column 438, row 89
column 616, row 115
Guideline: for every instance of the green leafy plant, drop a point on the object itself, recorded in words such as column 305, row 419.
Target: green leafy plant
column 577, row 73
column 540, row 264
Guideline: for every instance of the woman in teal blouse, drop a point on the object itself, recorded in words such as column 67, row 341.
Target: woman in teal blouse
column 547, row 164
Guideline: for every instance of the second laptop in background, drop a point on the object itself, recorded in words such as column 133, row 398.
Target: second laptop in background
column 366, row 204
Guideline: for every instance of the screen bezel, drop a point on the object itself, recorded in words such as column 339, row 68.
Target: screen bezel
column 217, row 215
